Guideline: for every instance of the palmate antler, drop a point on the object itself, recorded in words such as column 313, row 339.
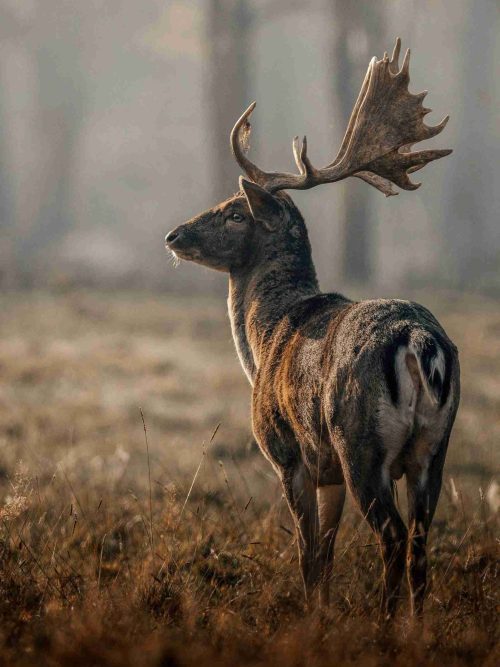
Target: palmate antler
column 386, row 121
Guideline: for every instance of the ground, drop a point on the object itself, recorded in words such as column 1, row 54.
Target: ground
column 171, row 544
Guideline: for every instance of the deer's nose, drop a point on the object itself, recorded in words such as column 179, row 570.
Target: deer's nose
column 171, row 237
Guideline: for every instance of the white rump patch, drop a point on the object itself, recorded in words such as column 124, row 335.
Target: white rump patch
column 417, row 411
column 395, row 422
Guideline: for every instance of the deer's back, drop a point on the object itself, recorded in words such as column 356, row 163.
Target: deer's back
column 332, row 363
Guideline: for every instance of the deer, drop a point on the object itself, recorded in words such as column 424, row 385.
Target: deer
column 345, row 394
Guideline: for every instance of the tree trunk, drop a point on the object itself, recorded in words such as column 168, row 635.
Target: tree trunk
column 357, row 36
column 6, row 204
column 10, row 29
column 471, row 238
column 227, row 36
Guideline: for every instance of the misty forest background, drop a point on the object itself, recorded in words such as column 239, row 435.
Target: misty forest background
column 115, row 118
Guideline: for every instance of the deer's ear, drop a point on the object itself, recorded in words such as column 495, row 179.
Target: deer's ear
column 265, row 208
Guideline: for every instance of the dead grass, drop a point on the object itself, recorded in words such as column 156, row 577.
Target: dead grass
column 91, row 574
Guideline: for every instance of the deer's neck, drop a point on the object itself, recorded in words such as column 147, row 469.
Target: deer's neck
column 260, row 297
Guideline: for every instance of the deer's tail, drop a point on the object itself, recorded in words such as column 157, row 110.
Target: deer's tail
column 430, row 364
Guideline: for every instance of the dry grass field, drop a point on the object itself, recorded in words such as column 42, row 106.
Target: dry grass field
column 185, row 556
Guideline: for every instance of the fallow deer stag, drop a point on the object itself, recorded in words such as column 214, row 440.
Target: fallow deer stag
column 345, row 393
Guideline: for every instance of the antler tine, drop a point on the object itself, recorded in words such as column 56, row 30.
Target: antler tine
column 301, row 159
column 297, row 154
column 394, row 61
column 436, row 129
column 405, row 67
column 240, row 135
column 304, row 158
column 354, row 114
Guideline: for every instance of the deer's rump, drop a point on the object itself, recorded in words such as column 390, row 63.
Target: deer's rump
column 377, row 374
column 385, row 339
column 393, row 382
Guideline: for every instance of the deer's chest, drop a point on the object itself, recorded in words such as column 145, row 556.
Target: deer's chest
column 241, row 342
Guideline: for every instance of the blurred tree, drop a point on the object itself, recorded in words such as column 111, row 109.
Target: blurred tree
column 357, row 35
column 471, row 221
column 11, row 27
column 228, row 26
column 62, row 99
column 51, row 35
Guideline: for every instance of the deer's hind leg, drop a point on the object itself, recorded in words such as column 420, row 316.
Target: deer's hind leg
column 330, row 500
column 423, row 483
column 317, row 512
column 300, row 493
column 372, row 493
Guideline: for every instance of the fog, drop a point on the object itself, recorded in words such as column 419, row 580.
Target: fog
column 115, row 120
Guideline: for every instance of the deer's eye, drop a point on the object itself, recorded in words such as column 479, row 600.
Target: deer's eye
column 236, row 217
